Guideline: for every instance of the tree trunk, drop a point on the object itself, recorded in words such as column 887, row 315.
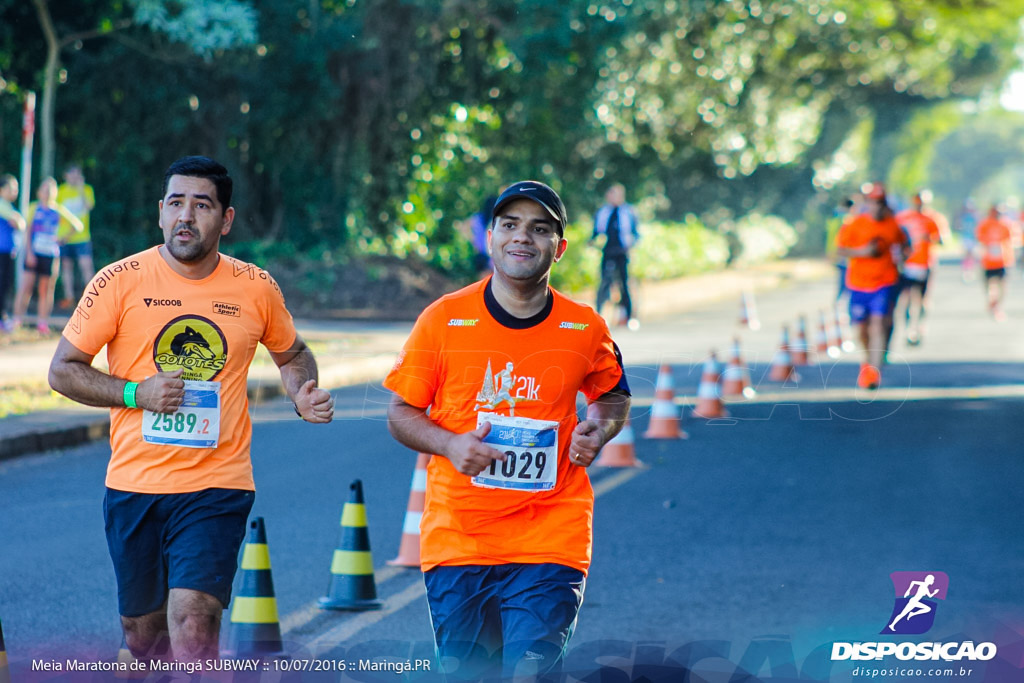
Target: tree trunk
column 47, row 152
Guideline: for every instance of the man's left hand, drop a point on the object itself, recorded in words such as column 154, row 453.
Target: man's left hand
column 314, row 404
column 587, row 440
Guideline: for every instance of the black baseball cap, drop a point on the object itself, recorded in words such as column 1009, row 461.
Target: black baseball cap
column 538, row 192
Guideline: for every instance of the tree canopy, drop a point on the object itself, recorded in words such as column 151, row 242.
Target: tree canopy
column 357, row 125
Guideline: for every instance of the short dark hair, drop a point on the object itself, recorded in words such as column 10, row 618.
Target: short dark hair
column 5, row 180
column 203, row 167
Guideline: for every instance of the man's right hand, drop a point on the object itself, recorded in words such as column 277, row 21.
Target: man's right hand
column 162, row 392
column 470, row 454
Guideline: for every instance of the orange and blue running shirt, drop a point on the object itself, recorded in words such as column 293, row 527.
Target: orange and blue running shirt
column 994, row 238
column 151, row 318
column 466, row 366
column 923, row 233
column 869, row 273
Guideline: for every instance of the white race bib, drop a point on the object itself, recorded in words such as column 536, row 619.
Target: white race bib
column 531, row 453
column 196, row 424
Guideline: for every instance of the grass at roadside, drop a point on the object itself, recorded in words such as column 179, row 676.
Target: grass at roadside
column 25, row 397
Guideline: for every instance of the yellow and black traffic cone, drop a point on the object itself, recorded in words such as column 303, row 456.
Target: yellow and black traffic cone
column 352, row 586
column 255, row 629
column 5, row 671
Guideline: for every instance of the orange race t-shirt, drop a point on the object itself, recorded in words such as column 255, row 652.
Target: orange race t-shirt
column 994, row 240
column 465, row 363
column 923, row 233
column 150, row 318
column 869, row 273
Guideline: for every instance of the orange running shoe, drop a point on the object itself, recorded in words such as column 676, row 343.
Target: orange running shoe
column 869, row 377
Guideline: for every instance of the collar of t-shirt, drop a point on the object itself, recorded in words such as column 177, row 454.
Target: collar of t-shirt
column 506, row 319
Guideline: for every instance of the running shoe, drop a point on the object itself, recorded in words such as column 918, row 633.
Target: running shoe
column 869, row 377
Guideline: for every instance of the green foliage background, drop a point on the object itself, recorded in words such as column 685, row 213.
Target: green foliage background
column 356, row 126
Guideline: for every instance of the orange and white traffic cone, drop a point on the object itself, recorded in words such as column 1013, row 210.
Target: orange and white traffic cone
column 835, row 339
column 845, row 343
column 736, row 378
column 821, row 341
column 709, row 398
column 798, row 351
column 409, row 548
column 619, row 451
column 664, row 422
column 782, row 365
column 748, row 311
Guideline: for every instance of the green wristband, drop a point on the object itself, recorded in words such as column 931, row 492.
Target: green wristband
column 129, row 394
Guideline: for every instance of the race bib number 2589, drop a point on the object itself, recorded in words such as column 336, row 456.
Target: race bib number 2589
column 531, row 453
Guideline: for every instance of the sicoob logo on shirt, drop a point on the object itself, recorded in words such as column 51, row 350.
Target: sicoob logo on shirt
column 193, row 344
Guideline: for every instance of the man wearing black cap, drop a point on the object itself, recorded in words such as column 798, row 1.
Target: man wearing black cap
column 506, row 530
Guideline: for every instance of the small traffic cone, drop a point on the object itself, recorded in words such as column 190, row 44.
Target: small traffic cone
column 782, row 365
column 798, row 351
column 736, row 378
column 409, row 548
column 835, row 340
column 619, row 451
column 821, row 341
column 845, row 343
column 255, row 629
column 709, row 398
column 352, row 586
column 5, row 671
column 664, row 422
column 748, row 311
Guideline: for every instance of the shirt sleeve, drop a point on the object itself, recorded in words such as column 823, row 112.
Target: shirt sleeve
column 845, row 236
column 606, row 370
column 95, row 320
column 279, row 328
column 416, row 374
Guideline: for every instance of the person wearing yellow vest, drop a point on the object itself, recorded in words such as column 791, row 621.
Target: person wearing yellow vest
column 76, row 245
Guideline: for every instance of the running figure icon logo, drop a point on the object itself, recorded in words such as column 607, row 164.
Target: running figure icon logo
column 916, row 595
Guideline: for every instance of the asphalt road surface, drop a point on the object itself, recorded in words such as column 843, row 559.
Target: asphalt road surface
column 745, row 551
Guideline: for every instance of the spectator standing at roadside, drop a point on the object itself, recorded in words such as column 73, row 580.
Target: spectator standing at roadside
column 11, row 223
column 42, row 254
column 76, row 245
column 617, row 223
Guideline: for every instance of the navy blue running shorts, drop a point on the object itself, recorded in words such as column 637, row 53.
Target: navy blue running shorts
column 175, row 540
column 503, row 620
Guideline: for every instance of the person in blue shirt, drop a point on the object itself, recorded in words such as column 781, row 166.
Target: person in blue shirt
column 11, row 223
column 42, row 253
column 617, row 223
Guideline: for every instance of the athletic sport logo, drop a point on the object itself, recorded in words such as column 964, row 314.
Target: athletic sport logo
column 191, row 343
column 916, row 595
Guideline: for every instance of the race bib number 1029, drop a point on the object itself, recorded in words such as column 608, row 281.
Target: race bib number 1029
column 531, row 453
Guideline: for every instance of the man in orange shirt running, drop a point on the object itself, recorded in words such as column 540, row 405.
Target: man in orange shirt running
column 923, row 233
column 872, row 241
column 995, row 242
column 181, row 322
column 506, row 531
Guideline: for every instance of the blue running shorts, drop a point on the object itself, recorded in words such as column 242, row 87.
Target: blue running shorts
column 175, row 540
column 503, row 620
